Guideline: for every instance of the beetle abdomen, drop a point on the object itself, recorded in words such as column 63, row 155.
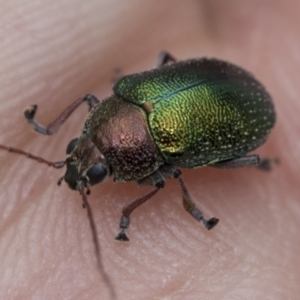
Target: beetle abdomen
column 202, row 111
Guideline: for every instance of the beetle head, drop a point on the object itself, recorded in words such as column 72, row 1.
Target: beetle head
column 85, row 164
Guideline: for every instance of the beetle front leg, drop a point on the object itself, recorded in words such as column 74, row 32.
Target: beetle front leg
column 164, row 58
column 128, row 209
column 54, row 126
column 155, row 179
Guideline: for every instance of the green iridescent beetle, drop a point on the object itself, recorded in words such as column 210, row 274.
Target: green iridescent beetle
column 184, row 114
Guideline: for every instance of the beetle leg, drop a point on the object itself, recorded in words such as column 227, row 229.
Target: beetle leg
column 164, row 58
column 191, row 208
column 266, row 164
column 251, row 160
column 155, row 179
column 245, row 161
column 188, row 204
column 118, row 74
column 53, row 127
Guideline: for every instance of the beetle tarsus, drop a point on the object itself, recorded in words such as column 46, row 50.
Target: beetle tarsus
column 60, row 180
column 163, row 58
column 122, row 236
column 211, row 223
column 124, row 223
column 91, row 101
column 266, row 164
column 29, row 114
column 54, row 126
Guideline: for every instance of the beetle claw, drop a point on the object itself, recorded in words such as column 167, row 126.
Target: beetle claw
column 30, row 112
column 122, row 236
column 211, row 223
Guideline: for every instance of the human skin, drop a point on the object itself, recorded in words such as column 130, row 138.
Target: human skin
column 52, row 52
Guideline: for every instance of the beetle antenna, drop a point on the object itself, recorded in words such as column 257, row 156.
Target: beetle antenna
column 56, row 165
column 104, row 275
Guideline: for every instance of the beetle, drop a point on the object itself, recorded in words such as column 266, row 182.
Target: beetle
column 181, row 114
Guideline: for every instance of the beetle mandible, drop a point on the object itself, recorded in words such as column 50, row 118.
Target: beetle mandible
column 185, row 114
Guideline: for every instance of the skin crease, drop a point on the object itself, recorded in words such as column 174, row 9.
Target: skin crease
column 52, row 52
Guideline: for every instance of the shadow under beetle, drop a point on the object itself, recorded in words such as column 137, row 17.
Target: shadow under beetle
column 186, row 114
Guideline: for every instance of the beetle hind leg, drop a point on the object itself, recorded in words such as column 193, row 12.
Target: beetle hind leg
column 264, row 164
column 239, row 162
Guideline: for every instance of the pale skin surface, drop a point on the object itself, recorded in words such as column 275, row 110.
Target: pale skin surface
column 54, row 52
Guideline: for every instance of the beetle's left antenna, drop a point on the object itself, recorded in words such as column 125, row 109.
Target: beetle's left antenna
column 106, row 278
column 56, row 165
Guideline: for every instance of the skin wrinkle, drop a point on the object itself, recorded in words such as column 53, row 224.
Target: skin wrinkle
column 253, row 251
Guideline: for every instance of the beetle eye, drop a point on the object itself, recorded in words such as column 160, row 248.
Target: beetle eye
column 72, row 176
column 71, row 146
column 97, row 173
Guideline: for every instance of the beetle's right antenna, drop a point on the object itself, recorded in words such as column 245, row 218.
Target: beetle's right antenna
column 56, row 165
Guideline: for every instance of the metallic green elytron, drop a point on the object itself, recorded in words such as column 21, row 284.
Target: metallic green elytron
column 201, row 111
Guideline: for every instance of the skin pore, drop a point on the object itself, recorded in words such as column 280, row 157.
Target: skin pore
column 52, row 53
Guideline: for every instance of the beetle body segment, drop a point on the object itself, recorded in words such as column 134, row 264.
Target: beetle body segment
column 202, row 110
